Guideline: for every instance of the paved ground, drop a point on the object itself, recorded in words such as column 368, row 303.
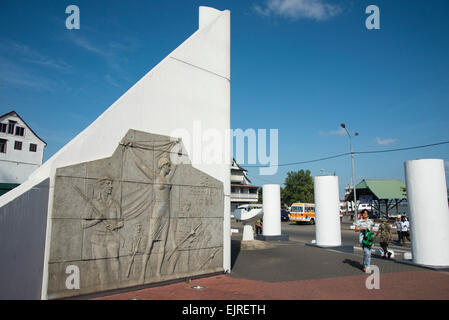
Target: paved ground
column 306, row 233
column 406, row 285
column 291, row 270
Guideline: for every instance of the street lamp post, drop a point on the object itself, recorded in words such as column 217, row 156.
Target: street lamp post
column 353, row 172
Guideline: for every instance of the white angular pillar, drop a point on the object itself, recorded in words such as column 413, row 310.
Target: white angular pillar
column 248, row 232
column 327, row 211
column 428, row 211
column 271, row 209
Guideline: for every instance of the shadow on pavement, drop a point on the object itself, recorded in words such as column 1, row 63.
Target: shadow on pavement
column 235, row 250
column 353, row 263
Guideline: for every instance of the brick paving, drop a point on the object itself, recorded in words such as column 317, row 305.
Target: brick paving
column 407, row 285
column 293, row 271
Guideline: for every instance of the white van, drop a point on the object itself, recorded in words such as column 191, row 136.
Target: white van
column 363, row 206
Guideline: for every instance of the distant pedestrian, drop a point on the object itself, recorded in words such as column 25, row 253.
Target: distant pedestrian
column 365, row 227
column 405, row 229
column 398, row 228
column 385, row 236
column 258, row 225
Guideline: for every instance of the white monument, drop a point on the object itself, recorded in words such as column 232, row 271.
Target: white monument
column 190, row 86
column 429, row 212
column 248, row 214
column 327, row 211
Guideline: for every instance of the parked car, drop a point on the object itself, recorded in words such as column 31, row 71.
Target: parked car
column 284, row 215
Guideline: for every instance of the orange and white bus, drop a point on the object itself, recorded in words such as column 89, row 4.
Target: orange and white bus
column 302, row 212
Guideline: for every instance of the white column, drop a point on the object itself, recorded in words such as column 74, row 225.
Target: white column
column 327, row 211
column 271, row 209
column 428, row 211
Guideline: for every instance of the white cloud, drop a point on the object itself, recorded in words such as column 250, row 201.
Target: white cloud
column 112, row 81
column 298, row 9
column 13, row 74
column 113, row 53
column 85, row 44
column 21, row 52
column 339, row 132
column 385, row 142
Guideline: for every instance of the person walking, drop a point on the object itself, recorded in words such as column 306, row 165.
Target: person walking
column 258, row 226
column 385, row 236
column 398, row 228
column 405, row 229
column 365, row 227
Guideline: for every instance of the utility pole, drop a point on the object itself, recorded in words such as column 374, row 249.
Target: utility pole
column 353, row 171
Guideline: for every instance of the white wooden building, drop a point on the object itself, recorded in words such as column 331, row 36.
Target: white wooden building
column 21, row 149
column 242, row 191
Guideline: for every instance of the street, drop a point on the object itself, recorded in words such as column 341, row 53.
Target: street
column 306, row 233
column 291, row 270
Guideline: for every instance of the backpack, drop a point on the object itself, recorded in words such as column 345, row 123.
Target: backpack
column 368, row 238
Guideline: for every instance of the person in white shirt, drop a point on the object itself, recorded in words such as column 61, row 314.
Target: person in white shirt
column 362, row 226
column 405, row 229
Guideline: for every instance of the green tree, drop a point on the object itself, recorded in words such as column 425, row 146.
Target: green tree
column 298, row 187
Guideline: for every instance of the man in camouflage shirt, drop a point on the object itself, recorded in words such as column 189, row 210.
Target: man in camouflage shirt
column 385, row 237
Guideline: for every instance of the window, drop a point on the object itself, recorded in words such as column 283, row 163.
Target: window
column 3, row 127
column 20, row 131
column 18, row 145
column 11, row 126
column 33, row 147
column 3, row 145
column 296, row 209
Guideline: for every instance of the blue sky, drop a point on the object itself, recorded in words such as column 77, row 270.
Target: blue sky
column 300, row 66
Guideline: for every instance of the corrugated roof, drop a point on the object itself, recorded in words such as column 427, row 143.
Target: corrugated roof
column 384, row 188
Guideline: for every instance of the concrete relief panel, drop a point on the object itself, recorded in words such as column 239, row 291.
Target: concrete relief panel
column 134, row 218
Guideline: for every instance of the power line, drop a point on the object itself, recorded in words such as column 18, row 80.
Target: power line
column 402, row 149
column 302, row 162
column 348, row 153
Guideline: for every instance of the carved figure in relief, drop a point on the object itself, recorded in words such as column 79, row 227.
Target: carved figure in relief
column 104, row 217
column 160, row 215
column 135, row 246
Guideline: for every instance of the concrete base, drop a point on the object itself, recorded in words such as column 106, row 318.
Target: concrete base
column 248, row 233
column 343, row 247
column 436, row 268
column 282, row 237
